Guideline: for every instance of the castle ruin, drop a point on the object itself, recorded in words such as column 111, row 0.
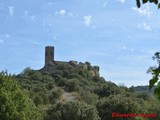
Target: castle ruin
column 50, row 63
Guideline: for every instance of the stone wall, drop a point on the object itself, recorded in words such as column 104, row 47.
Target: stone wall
column 49, row 54
column 50, row 63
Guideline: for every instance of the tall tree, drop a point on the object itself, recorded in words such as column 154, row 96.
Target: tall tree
column 14, row 104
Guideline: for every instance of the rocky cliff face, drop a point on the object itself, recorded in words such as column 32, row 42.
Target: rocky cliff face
column 95, row 71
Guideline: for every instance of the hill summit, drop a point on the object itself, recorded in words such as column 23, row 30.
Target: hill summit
column 72, row 91
column 51, row 64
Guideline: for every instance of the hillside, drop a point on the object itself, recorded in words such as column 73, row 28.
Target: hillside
column 74, row 93
column 144, row 89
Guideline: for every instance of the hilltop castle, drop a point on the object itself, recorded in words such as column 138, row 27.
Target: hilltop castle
column 50, row 63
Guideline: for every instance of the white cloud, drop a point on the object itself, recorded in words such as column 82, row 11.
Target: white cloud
column 61, row 12
column 87, row 20
column 37, row 43
column 105, row 4
column 94, row 27
column 50, row 3
column 127, row 48
column 11, row 10
column 47, row 24
column 148, row 52
column 132, row 50
column 26, row 12
column 1, row 41
column 70, row 14
column 144, row 10
column 1, row 5
column 33, row 18
column 7, row 36
column 34, row 42
column 122, row 1
column 124, row 47
column 144, row 26
column 54, row 38
column 97, row 53
column 4, row 37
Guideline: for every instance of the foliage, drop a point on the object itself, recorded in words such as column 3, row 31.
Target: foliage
column 95, row 97
column 55, row 95
column 72, row 85
column 88, row 97
column 72, row 111
column 14, row 104
column 155, row 71
column 126, row 105
column 116, row 104
column 146, row 1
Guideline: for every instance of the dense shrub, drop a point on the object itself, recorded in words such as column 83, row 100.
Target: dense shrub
column 72, row 111
column 14, row 104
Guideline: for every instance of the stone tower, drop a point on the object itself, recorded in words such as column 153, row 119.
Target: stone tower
column 49, row 55
column 49, row 66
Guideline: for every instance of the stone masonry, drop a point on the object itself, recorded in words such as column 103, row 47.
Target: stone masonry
column 50, row 63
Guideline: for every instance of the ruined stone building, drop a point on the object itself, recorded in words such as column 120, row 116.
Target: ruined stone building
column 51, row 63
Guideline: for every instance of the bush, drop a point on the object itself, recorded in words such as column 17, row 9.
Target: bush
column 55, row 95
column 61, row 82
column 72, row 111
column 116, row 104
column 14, row 104
column 36, row 76
column 72, row 85
column 88, row 97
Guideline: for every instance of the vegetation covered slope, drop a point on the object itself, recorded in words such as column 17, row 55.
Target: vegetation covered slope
column 14, row 103
column 73, row 93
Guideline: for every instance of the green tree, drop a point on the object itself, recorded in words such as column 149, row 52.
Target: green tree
column 36, row 75
column 116, row 104
column 139, row 2
column 14, row 104
column 155, row 71
column 73, row 111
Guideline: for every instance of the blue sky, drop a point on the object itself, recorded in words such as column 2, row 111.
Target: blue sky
column 113, row 34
